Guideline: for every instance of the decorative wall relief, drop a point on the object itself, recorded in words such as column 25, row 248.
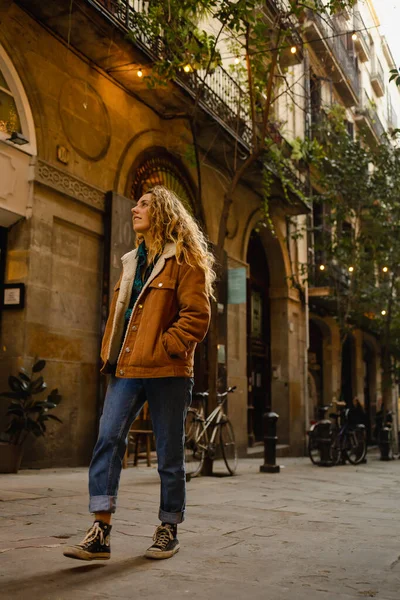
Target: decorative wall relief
column 84, row 119
column 67, row 184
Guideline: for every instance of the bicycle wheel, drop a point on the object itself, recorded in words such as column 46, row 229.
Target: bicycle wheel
column 314, row 449
column 195, row 449
column 228, row 446
column 355, row 446
column 190, row 424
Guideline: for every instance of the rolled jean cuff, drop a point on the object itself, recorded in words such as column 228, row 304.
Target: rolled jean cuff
column 103, row 504
column 171, row 518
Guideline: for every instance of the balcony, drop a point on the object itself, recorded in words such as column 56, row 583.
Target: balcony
column 99, row 32
column 327, row 41
column 377, row 77
column 368, row 120
column 362, row 43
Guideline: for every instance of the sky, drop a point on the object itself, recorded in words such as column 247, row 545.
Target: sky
column 388, row 12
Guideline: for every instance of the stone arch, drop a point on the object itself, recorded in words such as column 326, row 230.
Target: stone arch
column 274, row 246
column 142, row 142
column 320, row 361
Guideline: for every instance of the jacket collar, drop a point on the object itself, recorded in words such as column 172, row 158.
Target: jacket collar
column 169, row 250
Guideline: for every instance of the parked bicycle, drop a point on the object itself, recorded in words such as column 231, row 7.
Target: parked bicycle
column 335, row 440
column 349, row 440
column 208, row 436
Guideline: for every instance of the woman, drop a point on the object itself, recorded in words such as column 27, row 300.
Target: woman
column 159, row 312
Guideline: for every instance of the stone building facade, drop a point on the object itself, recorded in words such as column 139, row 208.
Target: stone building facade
column 88, row 127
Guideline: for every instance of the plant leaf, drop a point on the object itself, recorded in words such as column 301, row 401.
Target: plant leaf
column 13, row 395
column 46, row 416
column 24, row 375
column 17, row 385
column 54, row 397
column 39, row 366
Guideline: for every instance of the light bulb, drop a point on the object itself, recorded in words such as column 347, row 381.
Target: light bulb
column 383, row 312
column 385, row 269
column 351, row 269
column 237, row 60
column 187, row 68
column 322, row 267
column 293, row 49
column 140, row 73
column 354, row 37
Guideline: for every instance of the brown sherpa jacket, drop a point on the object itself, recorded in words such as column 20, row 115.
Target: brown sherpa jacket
column 170, row 316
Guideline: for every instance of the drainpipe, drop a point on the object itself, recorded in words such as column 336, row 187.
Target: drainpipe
column 307, row 127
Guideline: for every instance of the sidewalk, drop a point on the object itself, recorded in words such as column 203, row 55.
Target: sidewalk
column 306, row 533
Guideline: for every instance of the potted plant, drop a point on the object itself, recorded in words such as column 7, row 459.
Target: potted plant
column 27, row 414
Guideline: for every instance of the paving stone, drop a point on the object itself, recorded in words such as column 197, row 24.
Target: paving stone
column 306, row 533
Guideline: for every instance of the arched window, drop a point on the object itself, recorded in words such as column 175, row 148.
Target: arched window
column 15, row 113
column 158, row 167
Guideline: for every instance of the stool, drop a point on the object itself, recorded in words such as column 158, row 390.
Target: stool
column 140, row 428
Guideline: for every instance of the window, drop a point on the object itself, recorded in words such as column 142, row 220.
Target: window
column 160, row 168
column 9, row 118
column 15, row 112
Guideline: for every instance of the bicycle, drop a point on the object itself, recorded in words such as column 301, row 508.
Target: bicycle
column 348, row 441
column 320, row 439
column 198, row 442
column 330, row 443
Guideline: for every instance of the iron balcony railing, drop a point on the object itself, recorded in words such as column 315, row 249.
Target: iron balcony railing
column 217, row 92
column 367, row 109
column 360, row 28
column 334, row 39
column 377, row 71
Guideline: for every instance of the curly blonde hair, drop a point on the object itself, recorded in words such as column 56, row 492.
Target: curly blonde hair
column 171, row 222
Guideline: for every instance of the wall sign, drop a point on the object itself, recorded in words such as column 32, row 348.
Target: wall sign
column 13, row 296
column 237, row 285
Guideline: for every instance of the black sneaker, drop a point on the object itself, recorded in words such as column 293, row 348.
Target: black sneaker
column 94, row 546
column 165, row 542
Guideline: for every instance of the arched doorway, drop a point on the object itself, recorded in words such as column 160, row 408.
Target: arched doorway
column 258, row 338
column 316, row 367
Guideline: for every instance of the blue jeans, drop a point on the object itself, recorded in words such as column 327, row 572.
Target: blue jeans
column 168, row 398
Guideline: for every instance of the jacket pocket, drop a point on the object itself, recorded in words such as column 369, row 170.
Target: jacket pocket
column 162, row 282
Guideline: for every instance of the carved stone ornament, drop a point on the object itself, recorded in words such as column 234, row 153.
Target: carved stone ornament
column 67, row 184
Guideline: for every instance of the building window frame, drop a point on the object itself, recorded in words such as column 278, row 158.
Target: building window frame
column 18, row 93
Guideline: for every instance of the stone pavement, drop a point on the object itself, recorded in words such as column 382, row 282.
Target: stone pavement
column 306, row 533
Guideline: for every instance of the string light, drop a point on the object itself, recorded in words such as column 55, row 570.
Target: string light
column 383, row 313
column 322, row 267
column 140, row 73
column 187, row 68
column 351, row 269
column 237, row 60
column 293, row 49
column 385, row 269
column 354, row 36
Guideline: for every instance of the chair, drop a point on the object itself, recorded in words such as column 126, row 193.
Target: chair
column 141, row 429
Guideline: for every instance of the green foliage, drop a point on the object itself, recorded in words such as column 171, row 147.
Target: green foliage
column 395, row 76
column 27, row 413
column 357, row 233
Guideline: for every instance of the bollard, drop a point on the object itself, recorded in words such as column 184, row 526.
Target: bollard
column 384, row 443
column 270, row 438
